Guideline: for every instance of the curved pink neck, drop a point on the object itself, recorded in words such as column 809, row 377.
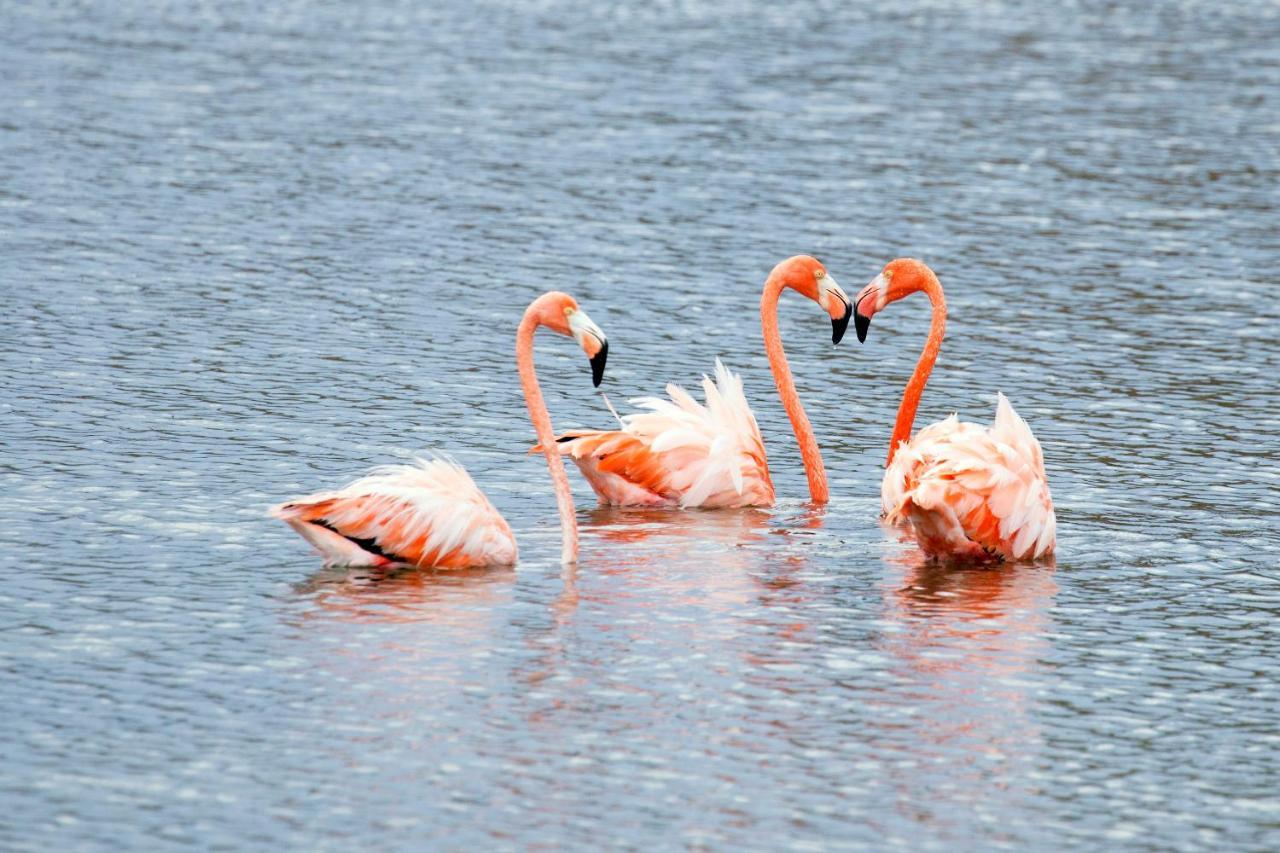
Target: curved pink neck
column 546, row 435
column 809, row 451
column 924, row 366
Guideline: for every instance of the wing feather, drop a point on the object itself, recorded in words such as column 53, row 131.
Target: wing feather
column 428, row 514
column 681, row 451
column 988, row 482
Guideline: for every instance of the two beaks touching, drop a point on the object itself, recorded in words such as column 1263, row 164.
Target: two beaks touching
column 827, row 293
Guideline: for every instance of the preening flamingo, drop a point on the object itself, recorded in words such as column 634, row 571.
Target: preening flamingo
column 432, row 514
column 966, row 492
column 683, row 453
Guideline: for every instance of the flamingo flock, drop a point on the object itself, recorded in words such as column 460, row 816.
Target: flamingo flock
column 964, row 493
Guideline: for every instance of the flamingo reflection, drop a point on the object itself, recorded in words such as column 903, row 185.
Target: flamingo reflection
column 655, row 576
column 779, row 585
column 966, row 646
column 407, row 633
column 406, row 595
column 662, row 553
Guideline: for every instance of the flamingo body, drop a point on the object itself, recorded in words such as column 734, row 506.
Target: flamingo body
column 679, row 452
column 683, row 453
column 973, row 492
column 964, row 491
column 430, row 515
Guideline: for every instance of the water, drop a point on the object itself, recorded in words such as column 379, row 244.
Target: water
column 247, row 254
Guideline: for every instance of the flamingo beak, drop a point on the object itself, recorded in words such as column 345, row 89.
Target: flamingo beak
column 869, row 301
column 597, row 364
column 593, row 342
column 837, row 305
column 839, row 324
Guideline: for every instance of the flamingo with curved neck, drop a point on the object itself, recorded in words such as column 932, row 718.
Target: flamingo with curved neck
column 432, row 514
column 966, row 492
column 807, row 277
column 910, row 279
column 684, row 453
column 551, row 311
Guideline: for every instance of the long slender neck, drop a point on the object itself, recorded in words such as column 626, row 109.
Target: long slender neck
column 915, row 387
column 546, row 435
column 809, row 451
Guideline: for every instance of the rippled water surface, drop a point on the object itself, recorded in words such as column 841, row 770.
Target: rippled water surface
column 248, row 254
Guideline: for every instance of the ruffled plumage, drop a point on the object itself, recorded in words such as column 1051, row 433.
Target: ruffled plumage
column 430, row 514
column 679, row 452
column 969, row 491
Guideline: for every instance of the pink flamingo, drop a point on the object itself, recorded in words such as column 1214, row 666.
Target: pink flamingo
column 688, row 454
column 966, row 492
column 432, row 514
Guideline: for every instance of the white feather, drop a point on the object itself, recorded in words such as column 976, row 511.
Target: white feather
column 718, row 441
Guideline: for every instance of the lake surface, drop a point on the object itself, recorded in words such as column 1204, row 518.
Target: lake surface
column 245, row 255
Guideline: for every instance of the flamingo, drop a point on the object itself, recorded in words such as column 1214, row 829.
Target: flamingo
column 432, row 514
column 964, row 491
column 683, row 453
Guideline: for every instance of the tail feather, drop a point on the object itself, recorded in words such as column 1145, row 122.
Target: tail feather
column 681, row 450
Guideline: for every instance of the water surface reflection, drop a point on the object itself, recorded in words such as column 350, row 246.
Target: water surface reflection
column 403, row 595
column 965, row 647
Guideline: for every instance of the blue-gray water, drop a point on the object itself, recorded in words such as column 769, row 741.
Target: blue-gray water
column 248, row 254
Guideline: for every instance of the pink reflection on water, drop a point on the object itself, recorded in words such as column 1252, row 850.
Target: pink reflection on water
column 966, row 647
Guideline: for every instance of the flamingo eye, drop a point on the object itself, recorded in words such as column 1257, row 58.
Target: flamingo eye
column 819, row 273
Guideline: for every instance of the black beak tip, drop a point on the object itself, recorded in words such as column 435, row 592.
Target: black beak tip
column 597, row 364
column 860, row 325
column 838, row 325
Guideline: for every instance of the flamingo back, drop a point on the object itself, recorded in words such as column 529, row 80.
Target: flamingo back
column 430, row 514
column 970, row 491
column 621, row 468
column 679, row 451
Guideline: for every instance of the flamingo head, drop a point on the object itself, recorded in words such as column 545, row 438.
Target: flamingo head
column 899, row 278
column 809, row 277
column 564, row 317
